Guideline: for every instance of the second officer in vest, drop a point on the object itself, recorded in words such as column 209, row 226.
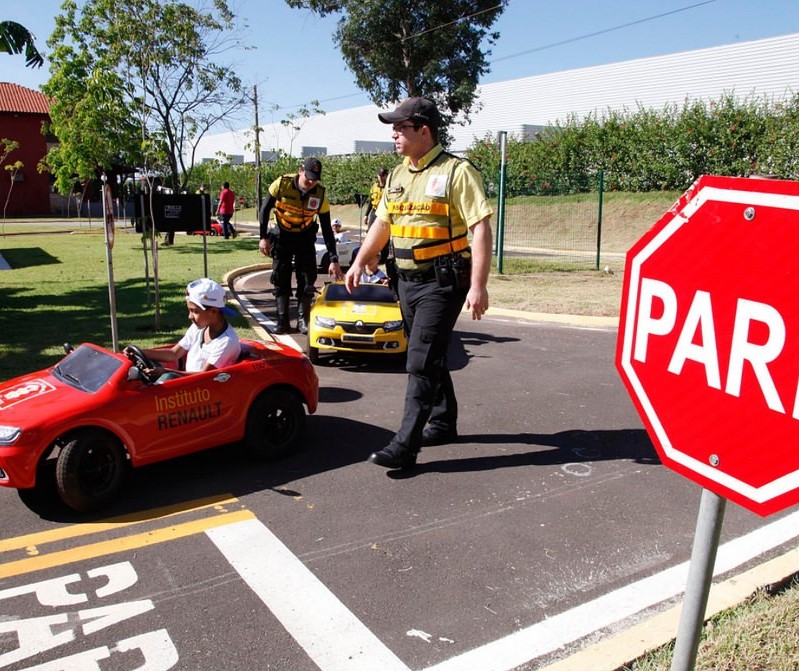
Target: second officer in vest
column 431, row 204
column 298, row 201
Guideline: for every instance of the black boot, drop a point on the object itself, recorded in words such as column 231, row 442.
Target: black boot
column 304, row 313
column 283, row 325
column 394, row 456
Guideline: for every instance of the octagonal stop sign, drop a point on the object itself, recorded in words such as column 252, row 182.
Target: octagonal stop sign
column 708, row 343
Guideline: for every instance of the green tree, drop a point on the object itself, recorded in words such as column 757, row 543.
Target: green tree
column 427, row 48
column 15, row 39
column 141, row 78
column 7, row 147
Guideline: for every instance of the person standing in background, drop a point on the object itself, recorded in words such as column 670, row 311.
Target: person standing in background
column 225, row 209
column 298, row 201
column 375, row 194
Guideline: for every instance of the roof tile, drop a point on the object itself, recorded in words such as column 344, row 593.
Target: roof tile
column 16, row 98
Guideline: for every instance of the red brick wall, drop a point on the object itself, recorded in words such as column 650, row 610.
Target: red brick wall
column 31, row 195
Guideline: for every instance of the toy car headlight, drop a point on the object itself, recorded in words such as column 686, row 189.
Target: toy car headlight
column 392, row 325
column 325, row 322
column 8, row 434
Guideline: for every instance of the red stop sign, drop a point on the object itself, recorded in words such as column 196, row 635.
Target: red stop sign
column 708, row 343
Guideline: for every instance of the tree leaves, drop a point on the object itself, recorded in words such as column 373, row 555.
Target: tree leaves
column 429, row 48
column 16, row 39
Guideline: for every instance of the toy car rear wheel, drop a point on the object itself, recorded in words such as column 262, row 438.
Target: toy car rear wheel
column 90, row 470
column 275, row 423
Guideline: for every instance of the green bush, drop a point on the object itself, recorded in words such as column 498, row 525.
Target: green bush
column 344, row 176
column 648, row 150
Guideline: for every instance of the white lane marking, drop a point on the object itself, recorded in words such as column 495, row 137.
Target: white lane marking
column 331, row 635
column 549, row 635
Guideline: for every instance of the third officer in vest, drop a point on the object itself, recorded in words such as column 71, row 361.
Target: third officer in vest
column 298, row 200
column 431, row 204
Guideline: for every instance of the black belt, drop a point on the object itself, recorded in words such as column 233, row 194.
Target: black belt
column 417, row 275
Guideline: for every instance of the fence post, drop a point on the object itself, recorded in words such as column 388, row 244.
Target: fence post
column 601, row 189
column 503, row 147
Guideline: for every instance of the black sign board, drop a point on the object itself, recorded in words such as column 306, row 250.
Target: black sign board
column 181, row 212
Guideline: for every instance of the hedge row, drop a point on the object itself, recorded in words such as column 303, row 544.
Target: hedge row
column 648, row 150
column 344, row 176
column 642, row 150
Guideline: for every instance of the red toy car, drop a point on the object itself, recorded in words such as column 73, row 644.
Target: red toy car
column 214, row 229
column 95, row 414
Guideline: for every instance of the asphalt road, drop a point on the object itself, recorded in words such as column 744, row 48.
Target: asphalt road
column 549, row 525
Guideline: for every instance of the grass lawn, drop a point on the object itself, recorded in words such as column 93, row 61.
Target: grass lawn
column 57, row 291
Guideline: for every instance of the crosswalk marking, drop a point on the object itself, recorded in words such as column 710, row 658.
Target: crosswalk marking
column 329, row 633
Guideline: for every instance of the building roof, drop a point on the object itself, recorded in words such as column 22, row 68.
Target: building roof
column 16, row 98
column 758, row 68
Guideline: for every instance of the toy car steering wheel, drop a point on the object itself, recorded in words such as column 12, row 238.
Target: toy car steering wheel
column 142, row 362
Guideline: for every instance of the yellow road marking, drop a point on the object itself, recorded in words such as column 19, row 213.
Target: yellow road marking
column 78, row 530
column 117, row 545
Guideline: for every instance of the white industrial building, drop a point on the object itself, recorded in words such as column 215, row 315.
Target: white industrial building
column 758, row 68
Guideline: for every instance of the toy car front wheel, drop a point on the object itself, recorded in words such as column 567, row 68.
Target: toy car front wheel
column 90, row 470
column 313, row 354
column 274, row 424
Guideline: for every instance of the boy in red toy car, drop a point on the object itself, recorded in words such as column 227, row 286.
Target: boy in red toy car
column 211, row 342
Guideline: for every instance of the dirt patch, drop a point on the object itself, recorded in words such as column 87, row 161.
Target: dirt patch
column 593, row 293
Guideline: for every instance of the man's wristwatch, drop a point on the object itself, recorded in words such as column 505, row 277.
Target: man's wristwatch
column 333, row 258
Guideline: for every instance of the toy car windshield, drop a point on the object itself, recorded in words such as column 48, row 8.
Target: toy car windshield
column 86, row 368
column 366, row 293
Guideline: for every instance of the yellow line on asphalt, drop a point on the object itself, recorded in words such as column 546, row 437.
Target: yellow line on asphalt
column 117, row 545
column 78, row 530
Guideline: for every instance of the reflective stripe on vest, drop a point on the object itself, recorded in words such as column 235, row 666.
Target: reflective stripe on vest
column 429, row 232
column 430, row 252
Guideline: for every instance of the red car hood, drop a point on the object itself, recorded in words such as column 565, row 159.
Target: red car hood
column 25, row 400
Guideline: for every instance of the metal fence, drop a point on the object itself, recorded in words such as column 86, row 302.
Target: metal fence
column 557, row 223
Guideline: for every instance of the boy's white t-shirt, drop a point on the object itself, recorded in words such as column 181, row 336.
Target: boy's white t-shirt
column 219, row 352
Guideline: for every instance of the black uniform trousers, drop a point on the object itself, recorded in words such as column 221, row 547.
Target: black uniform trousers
column 430, row 312
column 295, row 250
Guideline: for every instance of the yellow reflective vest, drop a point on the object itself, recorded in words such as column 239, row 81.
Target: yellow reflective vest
column 419, row 204
column 295, row 212
column 375, row 194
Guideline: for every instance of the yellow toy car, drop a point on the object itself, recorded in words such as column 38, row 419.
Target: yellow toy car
column 366, row 320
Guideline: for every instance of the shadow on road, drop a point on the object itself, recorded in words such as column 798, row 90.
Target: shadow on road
column 568, row 447
column 332, row 443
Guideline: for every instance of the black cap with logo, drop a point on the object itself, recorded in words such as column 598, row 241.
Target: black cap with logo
column 418, row 110
column 312, row 168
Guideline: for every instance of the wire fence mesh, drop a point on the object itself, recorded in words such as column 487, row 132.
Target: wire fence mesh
column 551, row 226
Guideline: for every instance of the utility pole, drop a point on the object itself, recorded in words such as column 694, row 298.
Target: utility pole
column 257, row 150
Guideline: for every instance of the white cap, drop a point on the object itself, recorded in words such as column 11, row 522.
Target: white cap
column 337, row 222
column 206, row 293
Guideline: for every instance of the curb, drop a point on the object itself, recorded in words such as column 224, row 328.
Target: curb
column 227, row 282
column 569, row 320
column 616, row 652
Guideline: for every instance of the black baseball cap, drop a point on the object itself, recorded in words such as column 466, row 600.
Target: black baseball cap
column 418, row 110
column 312, row 168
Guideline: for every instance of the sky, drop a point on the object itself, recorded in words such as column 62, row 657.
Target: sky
column 293, row 59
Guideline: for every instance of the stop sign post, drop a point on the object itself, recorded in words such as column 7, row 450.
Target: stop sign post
column 708, row 344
